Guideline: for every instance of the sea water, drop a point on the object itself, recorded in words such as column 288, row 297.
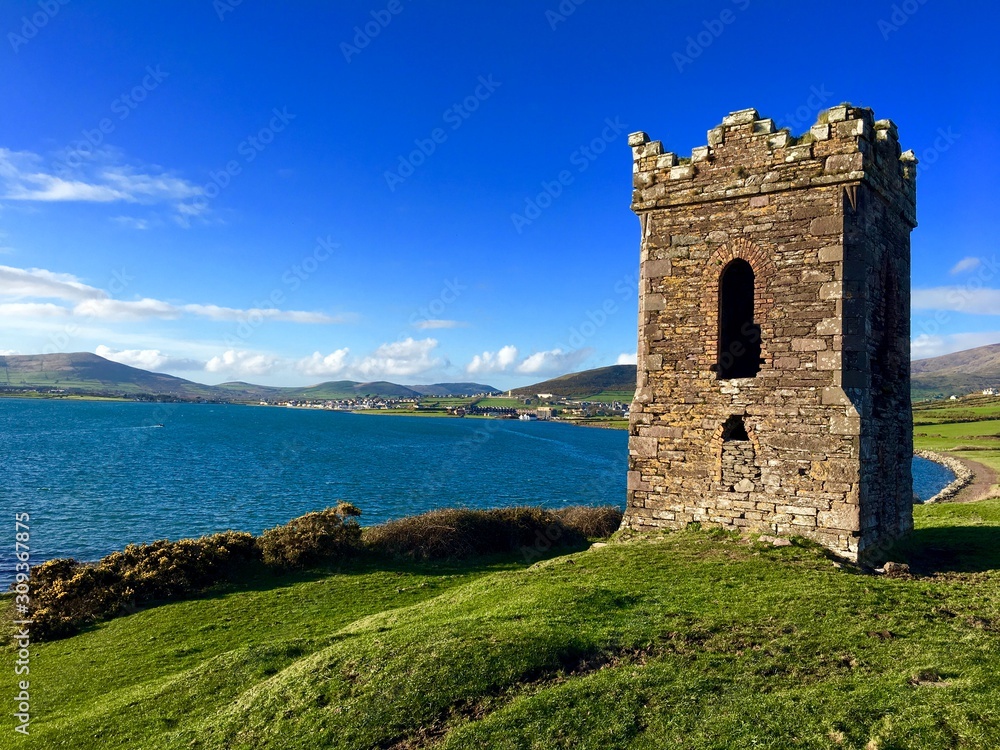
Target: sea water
column 94, row 476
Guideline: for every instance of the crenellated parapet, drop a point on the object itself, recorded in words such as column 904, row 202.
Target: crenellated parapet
column 746, row 155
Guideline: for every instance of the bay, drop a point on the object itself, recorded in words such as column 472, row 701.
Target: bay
column 96, row 476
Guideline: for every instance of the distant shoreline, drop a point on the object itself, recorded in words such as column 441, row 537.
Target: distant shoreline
column 369, row 412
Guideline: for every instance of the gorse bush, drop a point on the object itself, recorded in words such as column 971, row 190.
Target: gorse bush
column 593, row 522
column 457, row 534
column 167, row 570
column 314, row 538
column 67, row 595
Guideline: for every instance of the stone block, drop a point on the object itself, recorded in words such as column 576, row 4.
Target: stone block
column 740, row 117
column 832, row 290
column 845, row 425
column 843, row 162
column 831, row 254
column 644, row 447
column 682, row 172
column 836, row 114
column 657, row 268
column 637, row 138
column 820, row 132
column 824, row 225
column 840, row 516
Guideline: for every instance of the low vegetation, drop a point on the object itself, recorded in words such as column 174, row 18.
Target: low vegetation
column 691, row 639
column 458, row 534
column 313, row 539
column 68, row 595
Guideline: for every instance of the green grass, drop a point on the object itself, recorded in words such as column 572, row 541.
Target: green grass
column 607, row 397
column 969, row 430
column 500, row 403
column 691, row 639
column 616, row 423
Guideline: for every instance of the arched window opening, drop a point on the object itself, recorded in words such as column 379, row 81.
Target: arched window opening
column 739, row 336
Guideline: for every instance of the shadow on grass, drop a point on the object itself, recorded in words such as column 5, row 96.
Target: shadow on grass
column 951, row 549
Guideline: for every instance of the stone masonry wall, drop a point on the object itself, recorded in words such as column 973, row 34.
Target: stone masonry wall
column 824, row 223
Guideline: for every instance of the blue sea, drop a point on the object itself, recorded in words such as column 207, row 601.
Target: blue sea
column 95, row 476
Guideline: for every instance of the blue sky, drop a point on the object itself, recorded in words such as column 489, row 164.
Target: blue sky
column 297, row 192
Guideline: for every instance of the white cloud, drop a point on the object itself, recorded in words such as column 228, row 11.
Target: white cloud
column 493, row 362
column 288, row 316
column 400, row 359
column 131, row 222
column 147, row 359
column 971, row 298
column 627, row 359
column 553, row 362
column 35, row 283
column 243, row 363
column 21, row 310
column 100, row 179
column 8, row 352
column 426, row 325
column 21, row 283
column 329, row 366
column 968, row 263
column 113, row 309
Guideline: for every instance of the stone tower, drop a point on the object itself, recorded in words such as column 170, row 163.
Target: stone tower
column 773, row 387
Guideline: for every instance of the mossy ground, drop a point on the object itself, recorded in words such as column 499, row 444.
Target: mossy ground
column 690, row 639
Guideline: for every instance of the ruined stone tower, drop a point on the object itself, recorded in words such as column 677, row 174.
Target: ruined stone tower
column 773, row 387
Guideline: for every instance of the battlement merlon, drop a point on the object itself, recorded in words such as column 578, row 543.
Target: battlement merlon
column 746, row 156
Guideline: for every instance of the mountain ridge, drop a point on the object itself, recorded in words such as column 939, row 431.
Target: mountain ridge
column 86, row 373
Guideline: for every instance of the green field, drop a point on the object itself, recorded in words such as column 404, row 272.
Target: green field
column 607, row 397
column 690, row 639
column 498, row 402
column 969, row 428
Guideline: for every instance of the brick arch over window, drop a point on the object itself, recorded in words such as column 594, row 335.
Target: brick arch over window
column 763, row 301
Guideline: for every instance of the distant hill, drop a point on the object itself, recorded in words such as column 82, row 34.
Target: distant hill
column 85, row 373
column 958, row 373
column 453, row 389
column 586, row 383
column 82, row 372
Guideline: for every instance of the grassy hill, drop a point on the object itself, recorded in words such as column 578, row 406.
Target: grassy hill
column 453, row 389
column 85, row 373
column 958, row 373
column 689, row 639
column 617, row 378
